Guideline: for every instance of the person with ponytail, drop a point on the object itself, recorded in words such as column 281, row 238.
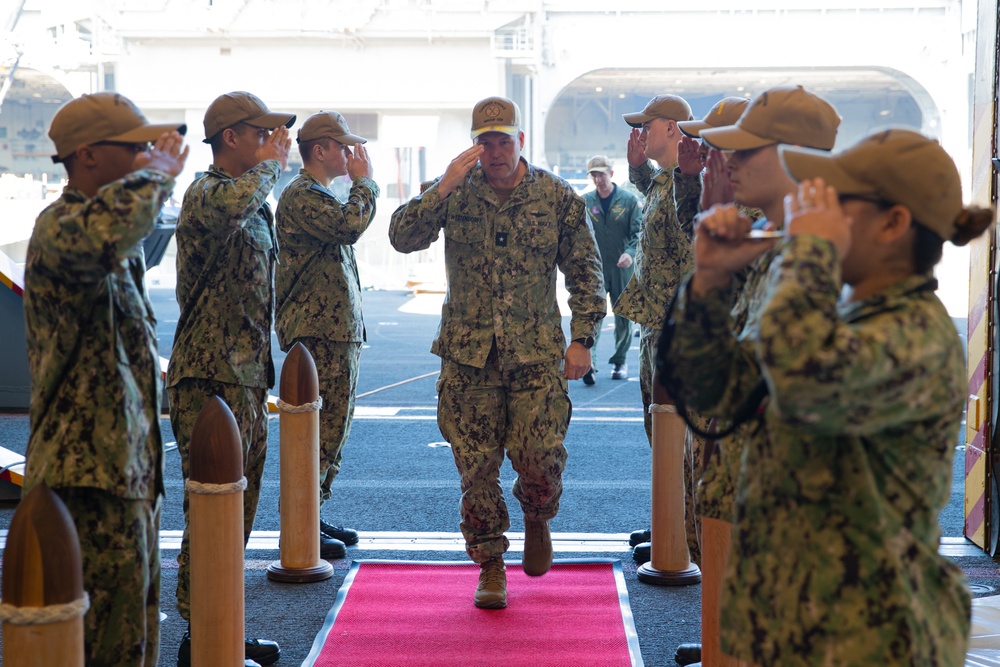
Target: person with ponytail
column 837, row 507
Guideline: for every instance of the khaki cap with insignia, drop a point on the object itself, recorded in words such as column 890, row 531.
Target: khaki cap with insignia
column 782, row 115
column 599, row 163
column 670, row 107
column 240, row 106
column 91, row 119
column 897, row 165
column 496, row 114
column 328, row 124
column 724, row 112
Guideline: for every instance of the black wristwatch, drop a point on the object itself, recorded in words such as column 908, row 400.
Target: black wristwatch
column 587, row 342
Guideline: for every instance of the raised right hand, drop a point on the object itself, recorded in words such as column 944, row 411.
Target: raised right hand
column 169, row 154
column 721, row 247
column 689, row 156
column 275, row 147
column 636, row 152
column 716, row 186
column 358, row 163
column 457, row 169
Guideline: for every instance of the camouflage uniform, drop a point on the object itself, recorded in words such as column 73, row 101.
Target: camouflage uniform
column 841, row 487
column 717, row 490
column 616, row 233
column 95, row 401
column 663, row 257
column 501, row 341
column 226, row 249
column 319, row 298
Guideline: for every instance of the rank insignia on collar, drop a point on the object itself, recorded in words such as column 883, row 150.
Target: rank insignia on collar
column 501, row 239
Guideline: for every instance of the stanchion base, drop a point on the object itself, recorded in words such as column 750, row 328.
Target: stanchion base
column 299, row 575
column 650, row 575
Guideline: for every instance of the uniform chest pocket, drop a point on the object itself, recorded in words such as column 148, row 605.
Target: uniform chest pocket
column 465, row 230
column 257, row 249
column 537, row 231
column 656, row 233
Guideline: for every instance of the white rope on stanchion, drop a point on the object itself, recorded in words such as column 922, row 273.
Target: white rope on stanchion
column 53, row 613
column 315, row 406
column 216, row 489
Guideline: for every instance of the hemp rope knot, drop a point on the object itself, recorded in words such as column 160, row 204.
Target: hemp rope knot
column 298, row 409
column 53, row 613
column 216, row 489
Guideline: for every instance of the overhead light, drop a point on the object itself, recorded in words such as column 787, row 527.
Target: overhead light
column 621, row 96
column 884, row 112
column 740, row 89
column 598, row 89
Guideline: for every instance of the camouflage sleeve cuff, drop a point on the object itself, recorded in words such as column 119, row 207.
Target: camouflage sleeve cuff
column 365, row 182
column 641, row 176
column 274, row 166
column 156, row 176
column 580, row 327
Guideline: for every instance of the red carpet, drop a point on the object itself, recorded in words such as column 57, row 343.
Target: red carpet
column 421, row 614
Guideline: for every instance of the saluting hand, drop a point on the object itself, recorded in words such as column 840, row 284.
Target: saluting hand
column 358, row 164
column 716, row 186
column 815, row 209
column 458, row 168
column 275, row 147
column 689, row 156
column 168, row 154
column 636, row 152
column 721, row 247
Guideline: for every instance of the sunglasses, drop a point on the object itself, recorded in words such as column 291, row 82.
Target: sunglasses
column 880, row 202
column 135, row 147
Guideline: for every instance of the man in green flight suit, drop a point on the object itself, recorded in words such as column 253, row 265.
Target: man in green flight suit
column 616, row 216
column 508, row 227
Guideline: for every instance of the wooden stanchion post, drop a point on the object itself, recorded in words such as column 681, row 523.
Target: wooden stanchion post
column 670, row 561
column 43, row 597
column 299, row 495
column 215, row 496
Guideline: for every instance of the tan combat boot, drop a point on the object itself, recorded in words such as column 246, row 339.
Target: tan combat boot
column 491, row 593
column 537, row 547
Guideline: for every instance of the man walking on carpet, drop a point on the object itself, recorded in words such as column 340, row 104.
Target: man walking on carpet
column 504, row 362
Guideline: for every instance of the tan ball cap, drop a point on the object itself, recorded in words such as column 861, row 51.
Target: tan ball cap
column 599, row 163
column 90, row 119
column 496, row 114
column 782, row 115
column 724, row 112
column 670, row 107
column 240, row 106
column 330, row 125
column 897, row 165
